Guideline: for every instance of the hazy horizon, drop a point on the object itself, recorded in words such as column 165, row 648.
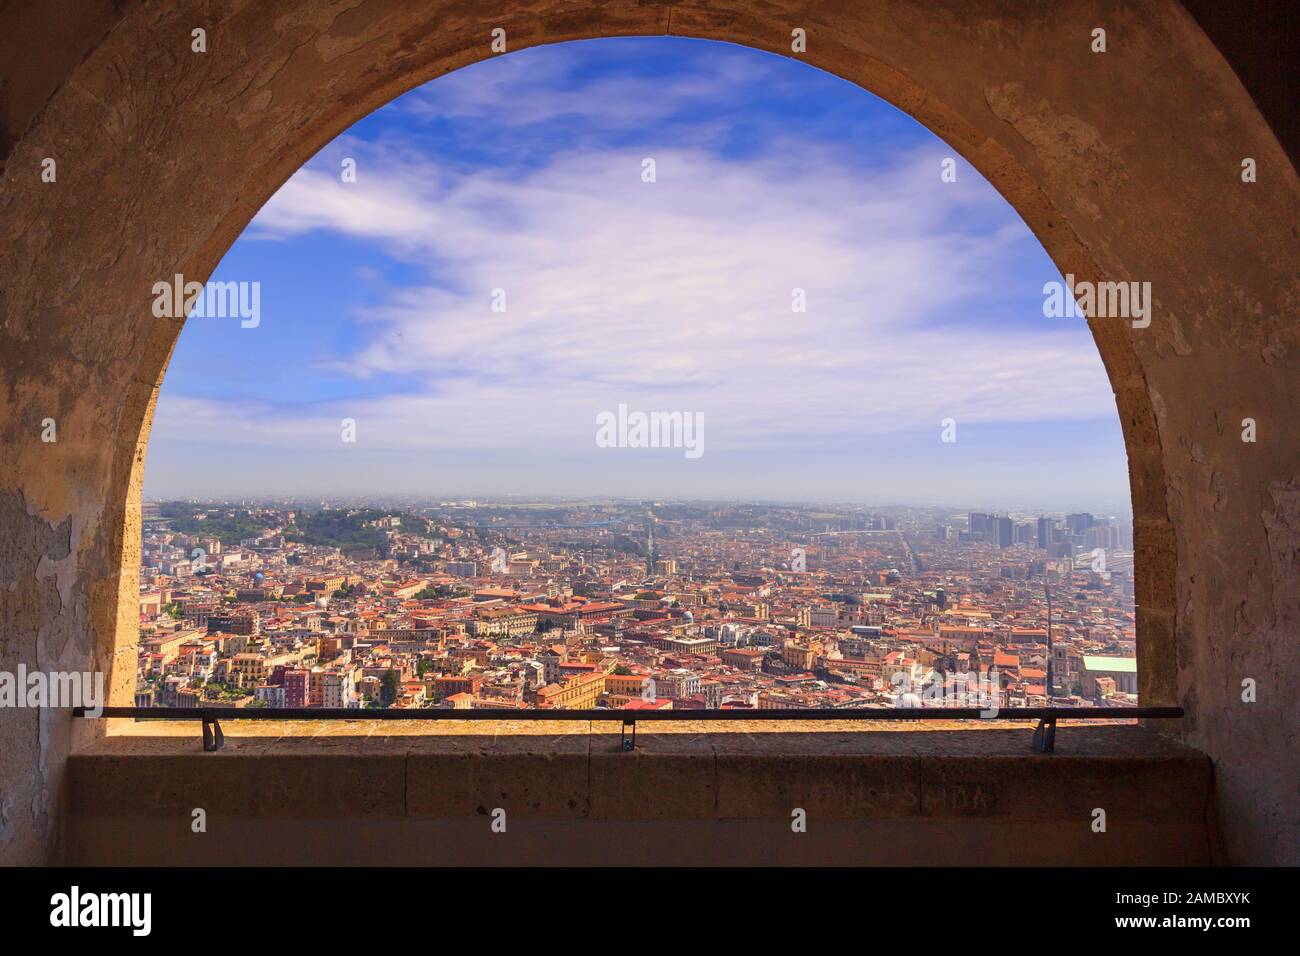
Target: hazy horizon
column 394, row 501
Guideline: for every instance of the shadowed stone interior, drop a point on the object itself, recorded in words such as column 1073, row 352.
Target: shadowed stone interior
column 922, row 797
column 1126, row 165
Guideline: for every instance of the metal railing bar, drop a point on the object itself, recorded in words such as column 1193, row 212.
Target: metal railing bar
column 1044, row 740
column 616, row 714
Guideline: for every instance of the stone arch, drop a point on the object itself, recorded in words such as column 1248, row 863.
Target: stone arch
column 1126, row 165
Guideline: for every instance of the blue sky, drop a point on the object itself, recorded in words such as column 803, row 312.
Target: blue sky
column 524, row 173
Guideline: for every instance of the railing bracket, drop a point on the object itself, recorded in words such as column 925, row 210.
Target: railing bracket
column 1045, row 735
column 213, row 738
column 628, row 743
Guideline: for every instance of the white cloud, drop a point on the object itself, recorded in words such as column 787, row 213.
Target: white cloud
column 676, row 295
column 535, row 86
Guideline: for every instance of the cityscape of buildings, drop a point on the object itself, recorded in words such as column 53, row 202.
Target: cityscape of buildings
column 631, row 605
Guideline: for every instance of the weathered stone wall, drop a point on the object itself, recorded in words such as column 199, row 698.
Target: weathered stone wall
column 901, row 798
column 1125, row 164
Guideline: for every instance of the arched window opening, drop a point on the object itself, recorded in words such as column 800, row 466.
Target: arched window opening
column 644, row 373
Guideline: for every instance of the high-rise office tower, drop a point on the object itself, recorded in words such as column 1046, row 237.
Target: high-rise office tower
column 1005, row 532
column 650, row 546
column 1079, row 523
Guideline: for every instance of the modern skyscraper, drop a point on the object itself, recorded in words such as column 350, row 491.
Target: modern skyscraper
column 1005, row 532
column 1079, row 523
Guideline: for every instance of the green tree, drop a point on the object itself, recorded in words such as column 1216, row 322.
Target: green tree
column 389, row 688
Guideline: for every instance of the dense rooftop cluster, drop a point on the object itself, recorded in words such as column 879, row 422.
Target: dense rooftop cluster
column 631, row 605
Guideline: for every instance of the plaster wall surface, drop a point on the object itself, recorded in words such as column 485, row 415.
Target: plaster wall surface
column 1126, row 165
